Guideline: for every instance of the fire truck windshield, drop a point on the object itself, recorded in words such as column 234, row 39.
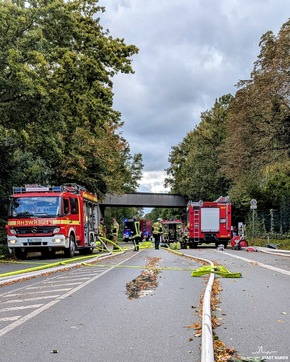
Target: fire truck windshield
column 36, row 206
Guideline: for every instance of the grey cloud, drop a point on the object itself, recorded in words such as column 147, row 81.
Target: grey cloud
column 191, row 53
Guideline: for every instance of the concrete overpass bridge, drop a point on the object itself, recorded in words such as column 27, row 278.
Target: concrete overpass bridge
column 145, row 199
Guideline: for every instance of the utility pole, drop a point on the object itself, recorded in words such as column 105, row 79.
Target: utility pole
column 253, row 206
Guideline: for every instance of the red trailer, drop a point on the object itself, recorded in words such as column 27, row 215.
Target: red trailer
column 209, row 222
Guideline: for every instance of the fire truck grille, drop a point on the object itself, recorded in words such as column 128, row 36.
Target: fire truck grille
column 34, row 230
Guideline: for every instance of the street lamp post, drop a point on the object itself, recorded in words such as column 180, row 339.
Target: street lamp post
column 253, row 206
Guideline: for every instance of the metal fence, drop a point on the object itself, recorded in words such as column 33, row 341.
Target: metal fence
column 274, row 222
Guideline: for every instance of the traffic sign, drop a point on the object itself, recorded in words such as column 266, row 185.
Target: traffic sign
column 253, row 202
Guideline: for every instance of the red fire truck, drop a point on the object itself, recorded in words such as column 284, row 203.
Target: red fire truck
column 146, row 229
column 48, row 219
column 172, row 230
column 209, row 222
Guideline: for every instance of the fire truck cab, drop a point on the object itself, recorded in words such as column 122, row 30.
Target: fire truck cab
column 209, row 222
column 48, row 219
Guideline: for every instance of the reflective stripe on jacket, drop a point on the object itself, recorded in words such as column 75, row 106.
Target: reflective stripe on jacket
column 157, row 228
column 115, row 228
column 101, row 230
column 137, row 232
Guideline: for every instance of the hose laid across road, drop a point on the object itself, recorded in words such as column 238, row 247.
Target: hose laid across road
column 207, row 350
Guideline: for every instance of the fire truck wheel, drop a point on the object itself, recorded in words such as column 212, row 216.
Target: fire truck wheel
column 20, row 254
column 70, row 252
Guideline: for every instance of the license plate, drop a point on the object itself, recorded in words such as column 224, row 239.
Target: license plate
column 33, row 240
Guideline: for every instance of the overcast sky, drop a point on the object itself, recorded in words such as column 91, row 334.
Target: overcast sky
column 191, row 52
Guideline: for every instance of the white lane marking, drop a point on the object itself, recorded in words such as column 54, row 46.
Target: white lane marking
column 55, row 283
column 29, row 299
column 21, row 307
column 273, row 268
column 27, row 317
column 36, row 292
column 7, row 319
column 76, row 277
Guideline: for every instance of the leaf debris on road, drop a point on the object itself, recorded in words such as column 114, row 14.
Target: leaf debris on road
column 146, row 282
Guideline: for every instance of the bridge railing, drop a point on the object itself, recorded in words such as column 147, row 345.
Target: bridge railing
column 145, row 199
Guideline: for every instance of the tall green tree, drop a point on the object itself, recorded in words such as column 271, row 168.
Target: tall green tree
column 56, row 92
column 195, row 164
column 257, row 146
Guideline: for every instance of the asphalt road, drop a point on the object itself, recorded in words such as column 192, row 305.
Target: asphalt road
column 255, row 309
column 86, row 314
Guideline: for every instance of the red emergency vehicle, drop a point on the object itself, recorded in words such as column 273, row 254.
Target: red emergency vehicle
column 48, row 219
column 129, row 229
column 145, row 229
column 172, row 230
column 209, row 222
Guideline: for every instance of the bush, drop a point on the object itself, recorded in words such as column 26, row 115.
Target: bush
column 4, row 251
column 280, row 242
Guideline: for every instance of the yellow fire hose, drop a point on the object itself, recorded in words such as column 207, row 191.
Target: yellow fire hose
column 103, row 242
column 219, row 270
column 45, row 266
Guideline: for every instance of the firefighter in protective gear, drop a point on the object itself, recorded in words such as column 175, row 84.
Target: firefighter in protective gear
column 157, row 231
column 115, row 232
column 178, row 232
column 102, row 228
column 185, row 237
column 101, row 244
column 136, row 237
